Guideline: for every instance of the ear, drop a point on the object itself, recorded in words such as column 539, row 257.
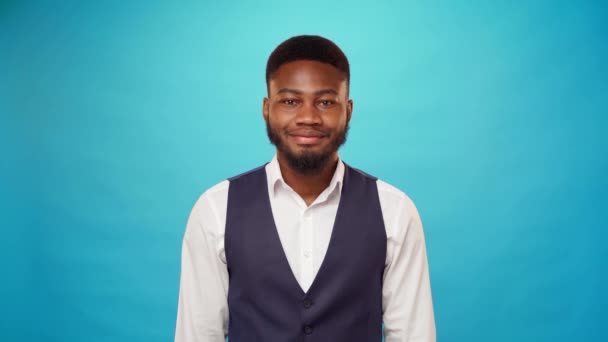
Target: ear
column 265, row 108
column 349, row 110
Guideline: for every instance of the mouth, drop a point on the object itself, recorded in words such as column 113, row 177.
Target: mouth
column 307, row 137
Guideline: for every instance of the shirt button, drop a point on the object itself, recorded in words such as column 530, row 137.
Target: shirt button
column 307, row 254
column 308, row 330
column 307, row 303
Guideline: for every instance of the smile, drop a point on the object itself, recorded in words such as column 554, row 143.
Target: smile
column 306, row 137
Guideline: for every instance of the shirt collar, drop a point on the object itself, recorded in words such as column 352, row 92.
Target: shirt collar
column 275, row 178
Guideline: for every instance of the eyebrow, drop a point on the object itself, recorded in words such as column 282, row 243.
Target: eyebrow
column 316, row 93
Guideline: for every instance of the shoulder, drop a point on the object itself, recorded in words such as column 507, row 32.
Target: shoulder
column 207, row 212
column 212, row 195
column 400, row 214
column 391, row 194
column 393, row 200
column 210, row 207
column 388, row 193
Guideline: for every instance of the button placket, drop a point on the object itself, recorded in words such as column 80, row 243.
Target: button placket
column 306, row 249
column 307, row 303
column 307, row 329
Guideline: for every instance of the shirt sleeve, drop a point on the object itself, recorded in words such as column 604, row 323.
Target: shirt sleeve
column 407, row 302
column 202, row 314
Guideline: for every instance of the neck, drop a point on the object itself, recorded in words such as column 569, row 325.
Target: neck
column 309, row 187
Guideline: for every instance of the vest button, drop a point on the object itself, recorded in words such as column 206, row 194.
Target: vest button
column 307, row 303
column 307, row 329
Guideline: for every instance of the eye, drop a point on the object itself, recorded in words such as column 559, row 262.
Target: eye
column 326, row 103
column 289, row 102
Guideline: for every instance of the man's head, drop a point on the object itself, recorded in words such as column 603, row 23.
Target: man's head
column 314, row 48
column 307, row 110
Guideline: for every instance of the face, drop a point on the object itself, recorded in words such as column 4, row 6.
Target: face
column 307, row 114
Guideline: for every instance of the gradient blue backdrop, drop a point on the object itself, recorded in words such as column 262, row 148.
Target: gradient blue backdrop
column 116, row 116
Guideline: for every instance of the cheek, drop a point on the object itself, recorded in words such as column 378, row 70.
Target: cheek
column 277, row 121
column 339, row 119
column 280, row 116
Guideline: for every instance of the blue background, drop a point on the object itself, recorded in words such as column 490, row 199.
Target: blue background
column 116, row 116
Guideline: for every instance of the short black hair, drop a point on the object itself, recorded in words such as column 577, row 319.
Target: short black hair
column 307, row 47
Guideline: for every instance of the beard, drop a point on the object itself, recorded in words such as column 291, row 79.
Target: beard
column 306, row 162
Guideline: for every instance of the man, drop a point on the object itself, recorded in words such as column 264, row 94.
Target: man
column 305, row 248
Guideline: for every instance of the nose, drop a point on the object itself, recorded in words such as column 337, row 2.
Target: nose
column 308, row 115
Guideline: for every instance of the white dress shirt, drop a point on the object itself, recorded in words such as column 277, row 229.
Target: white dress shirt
column 304, row 232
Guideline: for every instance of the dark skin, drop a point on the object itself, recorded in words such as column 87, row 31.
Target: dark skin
column 308, row 105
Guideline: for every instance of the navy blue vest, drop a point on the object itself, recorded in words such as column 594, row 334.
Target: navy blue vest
column 265, row 301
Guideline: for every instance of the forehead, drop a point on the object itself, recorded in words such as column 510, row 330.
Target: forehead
column 305, row 75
